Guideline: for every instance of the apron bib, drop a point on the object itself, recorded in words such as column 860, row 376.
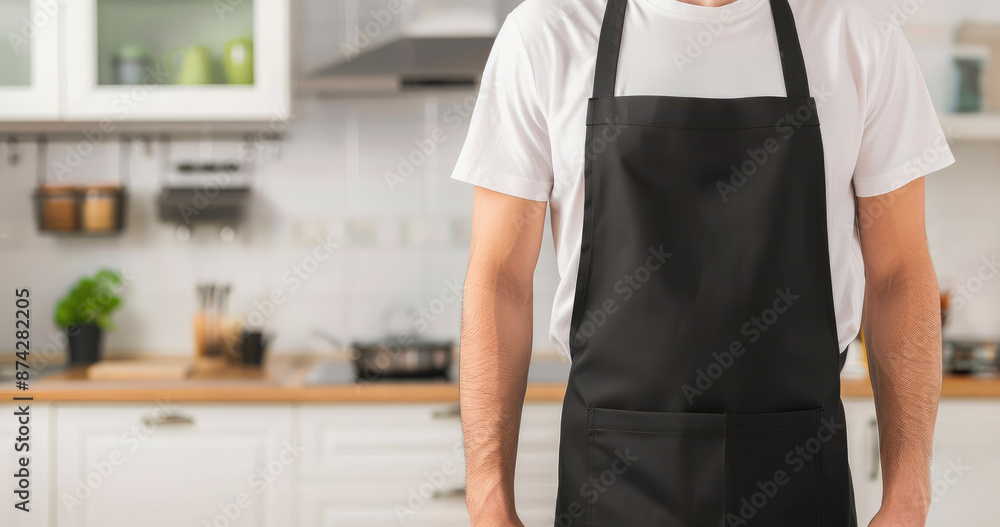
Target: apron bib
column 705, row 384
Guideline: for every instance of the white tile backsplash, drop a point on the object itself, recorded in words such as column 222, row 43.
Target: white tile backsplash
column 963, row 228
column 404, row 247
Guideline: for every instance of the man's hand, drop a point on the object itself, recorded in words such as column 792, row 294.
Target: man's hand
column 496, row 348
column 902, row 319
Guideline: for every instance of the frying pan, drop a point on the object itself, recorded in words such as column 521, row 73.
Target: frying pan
column 400, row 357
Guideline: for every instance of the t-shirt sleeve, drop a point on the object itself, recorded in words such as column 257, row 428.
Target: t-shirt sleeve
column 508, row 149
column 902, row 139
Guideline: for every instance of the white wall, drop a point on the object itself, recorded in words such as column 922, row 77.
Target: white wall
column 406, row 245
column 400, row 246
column 327, row 177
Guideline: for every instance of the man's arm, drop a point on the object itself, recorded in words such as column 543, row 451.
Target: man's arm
column 902, row 320
column 496, row 348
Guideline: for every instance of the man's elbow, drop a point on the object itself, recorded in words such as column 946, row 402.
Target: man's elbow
column 505, row 283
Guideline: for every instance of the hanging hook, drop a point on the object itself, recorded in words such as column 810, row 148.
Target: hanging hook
column 42, row 163
column 13, row 152
column 124, row 158
column 147, row 145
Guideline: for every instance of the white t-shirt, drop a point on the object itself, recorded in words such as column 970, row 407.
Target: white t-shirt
column 527, row 134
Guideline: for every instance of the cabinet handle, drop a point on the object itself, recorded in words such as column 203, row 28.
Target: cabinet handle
column 452, row 412
column 458, row 492
column 168, row 419
column 875, row 460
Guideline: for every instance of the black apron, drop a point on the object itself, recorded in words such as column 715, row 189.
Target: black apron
column 705, row 385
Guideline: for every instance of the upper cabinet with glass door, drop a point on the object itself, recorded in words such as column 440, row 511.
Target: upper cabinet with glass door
column 177, row 60
column 29, row 60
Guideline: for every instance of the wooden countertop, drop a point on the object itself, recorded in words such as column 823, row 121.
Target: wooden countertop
column 284, row 381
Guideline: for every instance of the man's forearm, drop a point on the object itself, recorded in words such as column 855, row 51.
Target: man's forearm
column 903, row 334
column 496, row 349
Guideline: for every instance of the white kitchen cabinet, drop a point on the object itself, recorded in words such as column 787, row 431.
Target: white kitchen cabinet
column 537, row 473
column 29, row 59
column 161, row 33
column 383, row 465
column 367, row 444
column 866, row 472
column 40, row 504
column 391, row 506
column 965, row 474
column 174, row 465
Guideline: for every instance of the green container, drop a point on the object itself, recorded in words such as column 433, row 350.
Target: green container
column 237, row 60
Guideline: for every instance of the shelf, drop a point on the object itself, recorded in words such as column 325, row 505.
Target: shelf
column 89, row 211
column 971, row 127
column 169, row 42
column 162, row 61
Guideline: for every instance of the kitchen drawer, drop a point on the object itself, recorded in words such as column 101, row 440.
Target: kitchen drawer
column 165, row 465
column 359, row 444
column 363, row 463
column 418, row 506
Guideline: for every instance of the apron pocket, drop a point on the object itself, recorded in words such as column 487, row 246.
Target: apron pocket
column 772, row 469
column 655, row 469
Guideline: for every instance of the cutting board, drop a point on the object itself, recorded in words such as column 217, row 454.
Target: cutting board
column 140, row 370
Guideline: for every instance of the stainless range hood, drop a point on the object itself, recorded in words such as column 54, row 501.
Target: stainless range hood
column 396, row 45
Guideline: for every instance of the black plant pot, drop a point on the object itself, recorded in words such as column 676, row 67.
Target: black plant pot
column 84, row 343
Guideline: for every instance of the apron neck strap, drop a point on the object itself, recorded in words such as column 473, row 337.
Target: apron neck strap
column 793, row 66
column 608, row 49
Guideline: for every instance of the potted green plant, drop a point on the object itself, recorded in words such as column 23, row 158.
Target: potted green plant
column 85, row 314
